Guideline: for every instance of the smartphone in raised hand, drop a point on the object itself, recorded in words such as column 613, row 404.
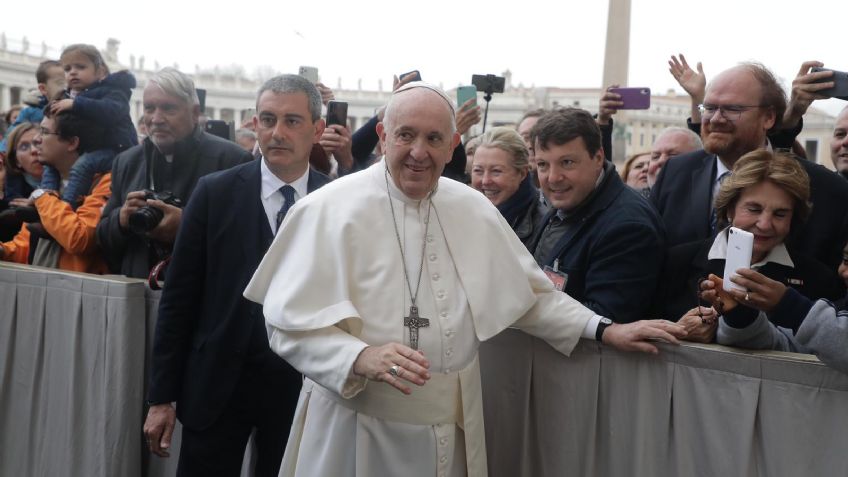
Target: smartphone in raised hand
column 464, row 93
column 337, row 113
column 634, row 98
column 309, row 72
column 740, row 247
column 840, row 83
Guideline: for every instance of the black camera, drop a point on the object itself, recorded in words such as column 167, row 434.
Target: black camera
column 489, row 83
column 147, row 218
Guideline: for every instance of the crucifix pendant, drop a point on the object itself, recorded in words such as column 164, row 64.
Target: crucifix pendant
column 413, row 321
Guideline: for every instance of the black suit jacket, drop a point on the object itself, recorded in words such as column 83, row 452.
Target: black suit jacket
column 683, row 197
column 204, row 328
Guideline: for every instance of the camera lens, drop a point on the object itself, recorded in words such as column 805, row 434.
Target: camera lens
column 145, row 219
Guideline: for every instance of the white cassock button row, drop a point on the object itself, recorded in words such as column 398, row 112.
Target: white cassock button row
column 440, row 295
column 432, row 257
column 443, row 441
column 449, row 333
column 429, row 238
column 444, row 315
column 435, row 277
column 449, row 352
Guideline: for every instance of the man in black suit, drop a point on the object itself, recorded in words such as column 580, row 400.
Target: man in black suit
column 211, row 353
column 740, row 107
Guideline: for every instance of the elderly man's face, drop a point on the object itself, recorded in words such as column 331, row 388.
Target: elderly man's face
column 417, row 140
column 286, row 132
column 168, row 118
column 839, row 142
column 524, row 128
column 731, row 138
column 668, row 145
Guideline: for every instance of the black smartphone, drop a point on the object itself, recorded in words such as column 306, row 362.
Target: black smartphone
column 416, row 75
column 221, row 129
column 337, row 113
column 489, row 83
column 840, row 83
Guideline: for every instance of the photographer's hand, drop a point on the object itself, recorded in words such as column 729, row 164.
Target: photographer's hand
column 326, row 93
column 134, row 201
column 336, row 141
column 467, row 116
column 805, row 90
column 166, row 231
column 610, row 102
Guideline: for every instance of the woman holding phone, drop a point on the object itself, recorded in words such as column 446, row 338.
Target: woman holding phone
column 767, row 194
column 823, row 331
column 499, row 170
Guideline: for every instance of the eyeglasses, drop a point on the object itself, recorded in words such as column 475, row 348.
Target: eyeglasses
column 730, row 112
column 46, row 132
column 24, row 147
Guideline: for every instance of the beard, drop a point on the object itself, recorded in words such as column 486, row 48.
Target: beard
column 726, row 143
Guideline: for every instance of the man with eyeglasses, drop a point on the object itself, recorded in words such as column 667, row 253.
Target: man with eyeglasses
column 741, row 106
column 65, row 238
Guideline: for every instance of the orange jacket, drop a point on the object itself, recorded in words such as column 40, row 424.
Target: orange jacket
column 72, row 230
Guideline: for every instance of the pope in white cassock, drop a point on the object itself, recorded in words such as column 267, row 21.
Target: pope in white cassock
column 380, row 287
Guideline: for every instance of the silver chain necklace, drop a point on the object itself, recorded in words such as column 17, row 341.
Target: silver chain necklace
column 413, row 321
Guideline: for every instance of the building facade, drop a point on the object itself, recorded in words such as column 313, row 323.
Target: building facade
column 231, row 96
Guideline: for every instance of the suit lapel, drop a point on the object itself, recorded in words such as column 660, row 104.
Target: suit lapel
column 315, row 181
column 250, row 215
column 701, row 187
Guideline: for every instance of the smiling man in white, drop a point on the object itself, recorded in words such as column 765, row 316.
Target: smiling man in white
column 379, row 288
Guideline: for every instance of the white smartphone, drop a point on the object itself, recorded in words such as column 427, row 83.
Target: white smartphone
column 310, row 73
column 740, row 246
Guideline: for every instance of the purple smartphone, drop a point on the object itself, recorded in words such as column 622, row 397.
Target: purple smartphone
column 634, row 98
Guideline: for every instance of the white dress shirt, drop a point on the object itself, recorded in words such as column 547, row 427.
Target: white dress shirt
column 272, row 199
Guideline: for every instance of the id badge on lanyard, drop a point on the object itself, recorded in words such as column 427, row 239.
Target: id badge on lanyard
column 558, row 278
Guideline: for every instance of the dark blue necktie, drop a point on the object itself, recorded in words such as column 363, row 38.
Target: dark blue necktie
column 288, row 201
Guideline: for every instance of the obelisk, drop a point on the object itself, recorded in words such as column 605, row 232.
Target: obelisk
column 617, row 52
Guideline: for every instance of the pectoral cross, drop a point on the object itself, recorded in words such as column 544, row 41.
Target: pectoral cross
column 413, row 321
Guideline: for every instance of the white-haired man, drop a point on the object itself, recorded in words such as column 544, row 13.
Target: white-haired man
column 381, row 300
column 175, row 154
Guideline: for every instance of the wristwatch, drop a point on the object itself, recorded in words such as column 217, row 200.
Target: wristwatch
column 602, row 326
column 36, row 194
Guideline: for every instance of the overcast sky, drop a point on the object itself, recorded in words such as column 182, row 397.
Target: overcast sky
column 544, row 43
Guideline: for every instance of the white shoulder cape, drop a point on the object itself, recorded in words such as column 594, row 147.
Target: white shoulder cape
column 336, row 253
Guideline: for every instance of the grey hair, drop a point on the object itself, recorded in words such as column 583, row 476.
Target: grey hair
column 176, row 83
column 694, row 139
column 388, row 114
column 284, row 84
column 244, row 132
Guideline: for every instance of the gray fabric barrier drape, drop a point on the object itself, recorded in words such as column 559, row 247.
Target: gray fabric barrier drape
column 74, row 348
column 71, row 369
column 692, row 410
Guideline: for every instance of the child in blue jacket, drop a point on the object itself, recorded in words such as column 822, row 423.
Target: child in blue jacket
column 94, row 94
